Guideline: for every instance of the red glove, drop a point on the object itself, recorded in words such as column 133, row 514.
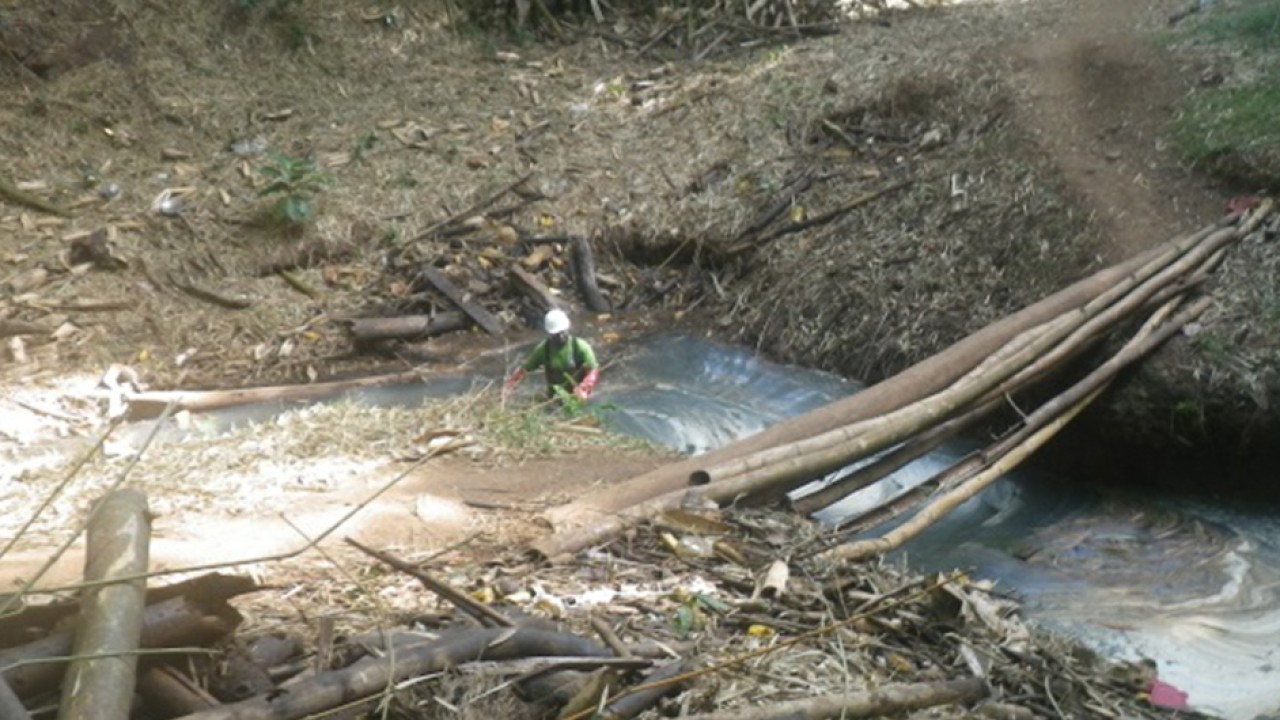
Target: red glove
column 512, row 382
column 584, row 388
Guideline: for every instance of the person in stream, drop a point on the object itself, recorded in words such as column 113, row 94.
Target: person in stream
column 569, row 362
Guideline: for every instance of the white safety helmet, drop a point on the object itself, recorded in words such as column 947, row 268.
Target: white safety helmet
column 556, row 322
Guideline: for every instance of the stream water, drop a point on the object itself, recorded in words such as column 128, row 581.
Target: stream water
column 1190, row 585
column 1193, row 586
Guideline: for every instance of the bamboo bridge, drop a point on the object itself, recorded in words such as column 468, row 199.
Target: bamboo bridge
column 921, row 407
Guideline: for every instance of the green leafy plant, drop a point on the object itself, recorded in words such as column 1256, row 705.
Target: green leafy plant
column 294, row 182
column 1214, row 347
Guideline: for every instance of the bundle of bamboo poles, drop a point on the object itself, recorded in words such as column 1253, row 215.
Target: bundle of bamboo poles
column 925, row 405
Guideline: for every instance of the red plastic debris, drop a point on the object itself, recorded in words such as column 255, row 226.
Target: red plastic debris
column 1162, row 694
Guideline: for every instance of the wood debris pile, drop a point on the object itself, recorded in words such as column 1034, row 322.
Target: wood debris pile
column 709, row 616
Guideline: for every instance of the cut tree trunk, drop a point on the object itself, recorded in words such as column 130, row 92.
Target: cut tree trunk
column 533, row 288
column 100, row 679
column 408, row 327
column 584, row 271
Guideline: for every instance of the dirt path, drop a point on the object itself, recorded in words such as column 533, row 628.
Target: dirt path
column 1097, row 93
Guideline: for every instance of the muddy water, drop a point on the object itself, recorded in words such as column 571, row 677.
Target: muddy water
column 1193, row 586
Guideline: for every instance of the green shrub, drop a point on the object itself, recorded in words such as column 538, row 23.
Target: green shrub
column 294, row 182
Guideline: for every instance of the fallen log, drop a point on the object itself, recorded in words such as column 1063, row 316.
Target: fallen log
column 887, row 700
column 482, row 317
column 533, row 288
column 1037, row 429
column 100, row 679
column 584, row 272
column 370, row 675
column 407, row 327
column 146, row 405
column 184, row 621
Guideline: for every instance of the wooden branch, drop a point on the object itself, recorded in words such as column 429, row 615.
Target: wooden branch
column 370, row 676
column 482, row 317
column 471, row 210
column 10, row 328
column 790, row 193
column 822, row 219
column 407, row 327
column 484, row 614
column 533, row 288
column 1038, row 428
column 100, row 681
column 888, row 700
column 10, row 192
column 209, row 296
column 584, row 271
column 653, row 688
column 295, row 282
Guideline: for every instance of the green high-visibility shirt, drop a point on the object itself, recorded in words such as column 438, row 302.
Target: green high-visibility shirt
column 566, row 365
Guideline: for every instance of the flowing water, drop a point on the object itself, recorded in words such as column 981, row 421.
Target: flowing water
column 1193, row 586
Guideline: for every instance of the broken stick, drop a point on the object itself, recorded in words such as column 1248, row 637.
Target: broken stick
column 483, row 317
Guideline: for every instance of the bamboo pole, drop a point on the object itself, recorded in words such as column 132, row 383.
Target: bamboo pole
column 783, row 468
column 100, row 679
column 1039, row 427
column 372, row 675
column 967, row 466
column 1094, row 317
column 886, row 700
column 891, row 462
column 921, row 444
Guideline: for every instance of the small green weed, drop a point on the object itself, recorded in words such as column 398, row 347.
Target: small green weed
column 1255, row 23
column 294, row 182
column 1217, row 124
column 363, row 145
column 405, row 179
column 1212, row 346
